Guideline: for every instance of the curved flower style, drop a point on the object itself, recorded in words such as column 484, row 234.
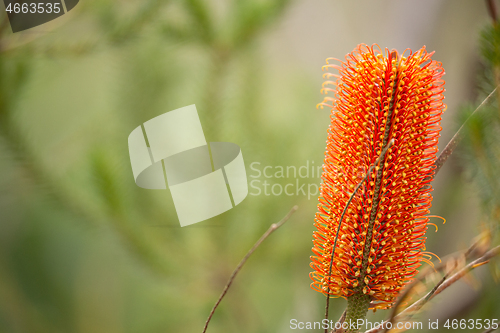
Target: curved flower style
column 379, row 97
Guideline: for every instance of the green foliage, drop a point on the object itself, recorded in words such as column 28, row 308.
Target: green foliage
column 14, row 72
column 481, row 149
column 481, row 154
column 82, row 248
column 490, row 44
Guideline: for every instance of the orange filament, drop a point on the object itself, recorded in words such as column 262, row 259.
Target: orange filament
column 377, row 97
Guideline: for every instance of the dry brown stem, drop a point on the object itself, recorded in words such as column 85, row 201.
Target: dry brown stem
column 492, row 10
column 442, row 285
column 269, row 231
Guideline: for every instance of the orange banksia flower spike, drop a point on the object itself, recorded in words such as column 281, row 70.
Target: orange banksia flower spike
column 386, row 110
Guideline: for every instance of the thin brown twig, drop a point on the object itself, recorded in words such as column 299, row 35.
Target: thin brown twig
column 409, row 289
column 423, row 274
column 452, row 258
column 443, row 285
column 448, row 282
column 472, row 248
column 377, row 161
column 269, row 231
column 492, row 10
column 490, row 330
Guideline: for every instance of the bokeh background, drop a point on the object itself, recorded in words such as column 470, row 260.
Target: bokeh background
column 83, row 249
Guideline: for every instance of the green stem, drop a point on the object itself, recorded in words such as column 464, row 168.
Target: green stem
column 357, row 308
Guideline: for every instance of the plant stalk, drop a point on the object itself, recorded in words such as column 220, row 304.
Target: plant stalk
column 357, row 308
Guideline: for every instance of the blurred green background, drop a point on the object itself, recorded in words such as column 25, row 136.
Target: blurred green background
column 83, row 249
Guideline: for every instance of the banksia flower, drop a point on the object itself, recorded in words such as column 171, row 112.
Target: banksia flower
column 379, row 98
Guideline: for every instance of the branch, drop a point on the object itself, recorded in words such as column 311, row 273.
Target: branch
column 442, row 285
column 269, row 231
column 407, row 292
column 457, row 276
column 492, row 10
column 444, row 264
